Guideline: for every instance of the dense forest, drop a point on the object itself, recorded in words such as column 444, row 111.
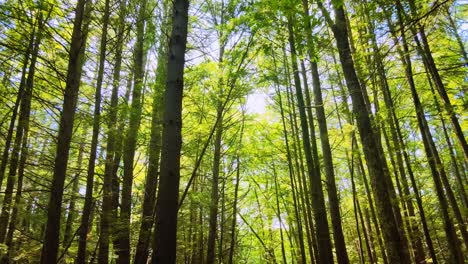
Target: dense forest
column 233, row 131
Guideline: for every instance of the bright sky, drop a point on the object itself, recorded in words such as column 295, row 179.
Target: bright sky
column 257, row 102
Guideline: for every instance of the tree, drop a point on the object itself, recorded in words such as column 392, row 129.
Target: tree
column 168, row 198
column 75, row 64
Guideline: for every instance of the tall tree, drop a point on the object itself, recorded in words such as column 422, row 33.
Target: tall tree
column 340, row 244
column 376, row 164
column 88, row 204
column 72, row 86
column 318, row 202
column 152, row 175
column 168, row 192
column 110, row 192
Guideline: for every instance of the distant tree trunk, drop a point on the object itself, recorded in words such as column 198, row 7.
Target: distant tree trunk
column 154, row 150
column 75, row 64
column 213, row 225
column 291, row 174
column 356, row 206
column 130, row 140
column 11, row 127
column 88, row 203
column 318, row 202
column 214, row 204
column 426, row 54
column 23, row 124
column 340, row 244
column 375, row 162
column 67, row 236
column 454, row 29
column 109, row 191
column 232, row 245
column 168, row 192
column 456, row 256
column 283, row 250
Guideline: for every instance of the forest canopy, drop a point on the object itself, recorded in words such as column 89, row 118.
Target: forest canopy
column 233, row 131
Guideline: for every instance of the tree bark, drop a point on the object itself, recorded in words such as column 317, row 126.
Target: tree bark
column 111, row 166
column 154, row 150
column 375, row 162
column 318, row 202
column 168, row 192
column 88, row 203
column 340, row 244
column 75, row 64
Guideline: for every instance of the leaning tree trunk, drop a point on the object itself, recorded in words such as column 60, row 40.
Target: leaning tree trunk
column 375, row 163
column 75, row 65
column 20, row 94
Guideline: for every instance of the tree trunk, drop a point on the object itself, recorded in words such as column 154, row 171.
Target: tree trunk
column 213, row 222
column 111, row 166
column 375, row 162
column 168, row 192
column 130, row 140
column 85, row 217
column 67, row 236
column 456, row 255
column 340, row 244
column 318, row 202
column 75, row 64
column 154, row 150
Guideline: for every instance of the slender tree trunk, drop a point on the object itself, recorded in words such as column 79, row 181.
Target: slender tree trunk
column 356, row 207
column 75, row 64
column 454, row 29
column 109, row 190
column 11, row 127
column 213, row 222
column 130, row 140
column 376, row 165
column 168, row 192
column 318, row 202
column 71, row 206
column 85, row 217
column 283, row 251
column 152, row 176
column 232, row 246
column 340, row 244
